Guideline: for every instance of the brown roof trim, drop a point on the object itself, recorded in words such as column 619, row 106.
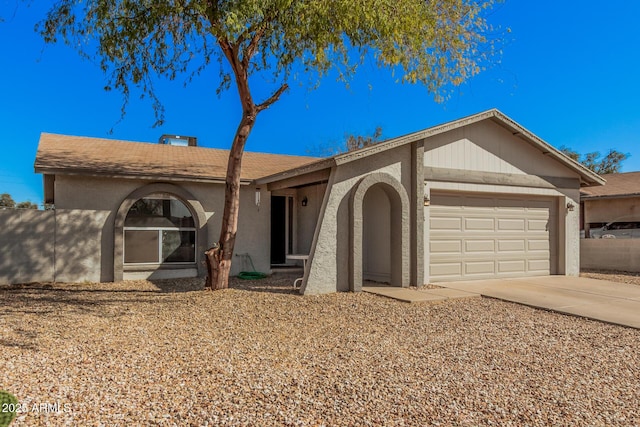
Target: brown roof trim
column 303, row 170
column 154, row 177
column 587, row 176
column 609, row 196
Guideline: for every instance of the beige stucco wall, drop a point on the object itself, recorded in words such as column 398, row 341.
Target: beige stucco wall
column 488, row 147
column 83, row 247
column 329, row 260
column 307, row 216
column 87, row 207
column 610, row 254
column 26, row 246
column 254, row 233
column 253, row 236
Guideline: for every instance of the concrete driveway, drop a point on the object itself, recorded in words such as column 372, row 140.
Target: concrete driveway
column 612, row 302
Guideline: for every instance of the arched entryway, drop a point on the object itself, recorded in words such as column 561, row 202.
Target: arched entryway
column 159, row 228
column 377, row 238
column 379, row 218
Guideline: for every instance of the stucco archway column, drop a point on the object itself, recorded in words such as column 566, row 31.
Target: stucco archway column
column 400, row 220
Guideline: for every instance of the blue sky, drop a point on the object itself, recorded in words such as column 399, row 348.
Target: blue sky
column 569, row 73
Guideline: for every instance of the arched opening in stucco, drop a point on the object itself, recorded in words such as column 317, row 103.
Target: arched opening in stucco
column 376, row 236
column 159, row 229
column 160, row 232
column 379, row 218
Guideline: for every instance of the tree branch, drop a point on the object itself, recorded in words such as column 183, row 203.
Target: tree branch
column 273, row 98
column 251, row 48
column 240, row 73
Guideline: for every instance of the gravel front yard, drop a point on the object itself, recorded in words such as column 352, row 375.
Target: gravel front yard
column 614, row 276
column 138, row 353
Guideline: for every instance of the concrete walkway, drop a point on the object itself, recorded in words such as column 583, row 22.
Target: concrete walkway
column 611, row 302
column 413, row 295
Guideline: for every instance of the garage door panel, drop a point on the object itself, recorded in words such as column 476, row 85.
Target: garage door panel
column 538, row 224
column 479, row 267
column 440, row 223
column 452, row 269
column 511, row 245
column 510, row 224
column 538, row 245
column 483, row 236
column 472, row 224
column 479, row 246
column 539, row 265
column 446, row 246
column 511, row 266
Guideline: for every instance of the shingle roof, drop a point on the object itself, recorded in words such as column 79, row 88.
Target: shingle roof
column 618, row 185
column 97, row 156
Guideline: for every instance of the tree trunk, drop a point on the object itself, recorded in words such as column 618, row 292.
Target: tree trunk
column 218, row 258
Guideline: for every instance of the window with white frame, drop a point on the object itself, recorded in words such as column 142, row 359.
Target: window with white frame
column 159, row 229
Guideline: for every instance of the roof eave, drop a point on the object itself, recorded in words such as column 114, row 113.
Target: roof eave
column 301, row 170
column 98, row 174
column 610, row 196
column 587, row 177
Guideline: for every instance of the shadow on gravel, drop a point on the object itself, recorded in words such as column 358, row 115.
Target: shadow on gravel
column 27, row 310
column 57, row 302
column 276, row 284
column 25, row 341
column 87, row 295
column 280, row 284
column 26, row 307
column 130, row 287
column 171, row 286
column 70, row 290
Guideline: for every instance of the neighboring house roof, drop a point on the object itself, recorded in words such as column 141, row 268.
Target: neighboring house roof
column 618, row 185
column 587, row 177
column 65, row 154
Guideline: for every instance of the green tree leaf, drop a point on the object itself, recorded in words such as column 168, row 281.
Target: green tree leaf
column 26, row 205
column 611, row 163
column 6, row 201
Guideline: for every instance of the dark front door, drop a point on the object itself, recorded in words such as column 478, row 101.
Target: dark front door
column 278, row 229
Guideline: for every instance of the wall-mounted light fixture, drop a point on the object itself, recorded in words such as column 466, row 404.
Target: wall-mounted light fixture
column 305, row 201
column 258, row 196
column 570, row 207
column 427, row 200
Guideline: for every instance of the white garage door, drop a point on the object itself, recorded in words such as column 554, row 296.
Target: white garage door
column 476, row 236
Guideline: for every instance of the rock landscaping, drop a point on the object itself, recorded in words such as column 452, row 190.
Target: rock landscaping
column 614, row 276
column 167, row 353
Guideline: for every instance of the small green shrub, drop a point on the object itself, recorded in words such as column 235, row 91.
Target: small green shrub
column 8, row 406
